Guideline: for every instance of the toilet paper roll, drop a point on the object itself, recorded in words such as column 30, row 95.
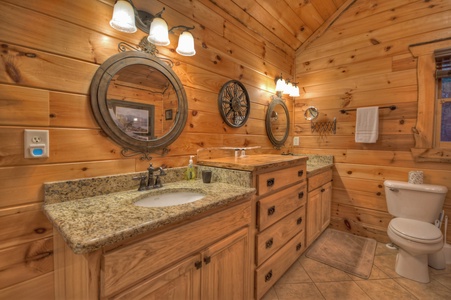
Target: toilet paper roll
column 416, row 177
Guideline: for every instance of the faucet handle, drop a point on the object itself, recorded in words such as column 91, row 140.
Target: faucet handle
column 162, row 171
column 142, row 182
column 150, row 168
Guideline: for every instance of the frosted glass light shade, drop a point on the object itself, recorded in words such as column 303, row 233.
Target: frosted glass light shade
column 288, row 88
column 186, row 44
column 158, row 33
column 294, row 91
column 123, row 17
column 280, row 85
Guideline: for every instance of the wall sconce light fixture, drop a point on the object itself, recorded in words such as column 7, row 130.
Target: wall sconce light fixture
column 127, row 18
column 287, row 87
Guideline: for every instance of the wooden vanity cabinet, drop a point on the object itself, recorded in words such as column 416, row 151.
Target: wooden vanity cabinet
column 318, row 205
column 278, row 212
column 280, row 236
column 207, row 258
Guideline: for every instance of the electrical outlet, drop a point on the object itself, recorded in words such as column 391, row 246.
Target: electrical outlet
column 296, row 141
column 36, row 143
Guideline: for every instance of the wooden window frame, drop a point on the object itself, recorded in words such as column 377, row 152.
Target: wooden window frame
column 424, row 150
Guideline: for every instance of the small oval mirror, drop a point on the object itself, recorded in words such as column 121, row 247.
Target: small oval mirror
column 277, row 122
column 311, row 113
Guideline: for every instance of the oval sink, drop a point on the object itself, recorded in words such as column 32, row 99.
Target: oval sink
column 169, row 199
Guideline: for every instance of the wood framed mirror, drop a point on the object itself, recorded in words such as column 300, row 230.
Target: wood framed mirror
column 277, row 122
column 139, row 102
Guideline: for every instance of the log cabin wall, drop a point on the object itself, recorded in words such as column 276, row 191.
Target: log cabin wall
column 50, row 51
column 363, row 59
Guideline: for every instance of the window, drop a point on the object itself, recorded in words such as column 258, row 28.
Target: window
column 442, row 137
column 431, row 132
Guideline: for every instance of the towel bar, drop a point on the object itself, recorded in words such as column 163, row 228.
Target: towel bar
column 392, row 107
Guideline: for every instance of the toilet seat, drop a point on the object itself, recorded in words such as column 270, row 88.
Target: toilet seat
column 417, row 231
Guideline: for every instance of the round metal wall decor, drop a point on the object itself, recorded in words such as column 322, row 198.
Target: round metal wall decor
column 234, row 103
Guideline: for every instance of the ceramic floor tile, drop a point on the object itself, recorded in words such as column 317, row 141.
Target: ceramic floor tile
column 384, row 289
column 295, row 274
column 319, row 272
column 376, row 273
column 431, row 290
column 444, row 279
column 386, row 263
column 341, row 290
column 298, row 291
column 270, row 295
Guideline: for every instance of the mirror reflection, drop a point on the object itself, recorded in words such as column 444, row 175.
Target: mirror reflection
column 277, row 122
column 139, row 102
column 142, row 101
column 311, row 113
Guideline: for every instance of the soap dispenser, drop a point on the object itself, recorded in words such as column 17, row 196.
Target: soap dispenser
column 190, row 172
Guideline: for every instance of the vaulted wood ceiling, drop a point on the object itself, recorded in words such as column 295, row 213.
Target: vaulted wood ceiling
column 292, row 21
column 280, row 22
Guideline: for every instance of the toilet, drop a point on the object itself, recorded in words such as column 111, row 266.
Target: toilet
column 415, row 208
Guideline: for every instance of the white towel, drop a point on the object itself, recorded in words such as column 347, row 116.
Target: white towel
column 367, row 125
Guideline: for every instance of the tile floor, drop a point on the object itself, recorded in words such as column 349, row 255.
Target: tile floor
column 309, row 279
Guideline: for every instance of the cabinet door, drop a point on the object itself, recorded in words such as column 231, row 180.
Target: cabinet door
column 314, row 219
column 181, row 281
column 326, row 198
column 226, row 268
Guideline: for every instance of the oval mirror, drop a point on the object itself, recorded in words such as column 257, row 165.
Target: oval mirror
column 277, row 122
column 311, row 113
column 139, row 102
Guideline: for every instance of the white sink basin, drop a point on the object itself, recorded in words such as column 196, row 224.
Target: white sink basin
column 169, row 199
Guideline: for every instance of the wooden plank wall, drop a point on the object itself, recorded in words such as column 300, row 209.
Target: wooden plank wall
column 50, row 50
column 361, row 60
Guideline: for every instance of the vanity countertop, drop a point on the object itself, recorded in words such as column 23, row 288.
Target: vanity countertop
column 317, row 168
column 254, row 162
column 91, row 223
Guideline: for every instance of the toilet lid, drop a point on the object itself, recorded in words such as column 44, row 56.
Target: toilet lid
column 414, row 230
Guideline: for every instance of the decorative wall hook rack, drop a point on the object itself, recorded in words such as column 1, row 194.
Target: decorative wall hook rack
column 324, row 127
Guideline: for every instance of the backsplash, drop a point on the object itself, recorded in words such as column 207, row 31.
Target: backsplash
column 62, row 191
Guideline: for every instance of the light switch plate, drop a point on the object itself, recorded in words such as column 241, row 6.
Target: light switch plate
column 36, row 143
column 296, row 141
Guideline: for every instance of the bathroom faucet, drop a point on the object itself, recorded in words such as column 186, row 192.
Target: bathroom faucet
column 151, row 183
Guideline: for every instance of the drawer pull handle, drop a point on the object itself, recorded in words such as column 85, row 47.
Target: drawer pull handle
column 268, row 276
column 198, row 264
column 269, row 243
column 207, row 260
column 322, row 190
column 298, row 246
column 271, row 210
column 299, row 221
column 300, row 173
column 301, row 195
column 270, row 182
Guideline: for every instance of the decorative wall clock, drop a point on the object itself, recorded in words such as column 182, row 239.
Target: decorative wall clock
column 234, row 103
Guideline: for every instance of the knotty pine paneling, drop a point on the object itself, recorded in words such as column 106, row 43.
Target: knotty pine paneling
column 45, row 76
column 361, row 60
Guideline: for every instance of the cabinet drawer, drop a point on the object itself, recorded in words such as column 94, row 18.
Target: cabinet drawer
column 125, row 266
column 268, row 273
column 272, row 181
column 274, row 237
column 276, row 206
column 318, row 180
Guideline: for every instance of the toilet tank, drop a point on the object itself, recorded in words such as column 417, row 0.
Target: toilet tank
column 422, row 202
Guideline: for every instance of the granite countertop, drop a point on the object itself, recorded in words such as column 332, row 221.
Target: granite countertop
column 91, row 223
column 316, row 168
column 251, row 163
